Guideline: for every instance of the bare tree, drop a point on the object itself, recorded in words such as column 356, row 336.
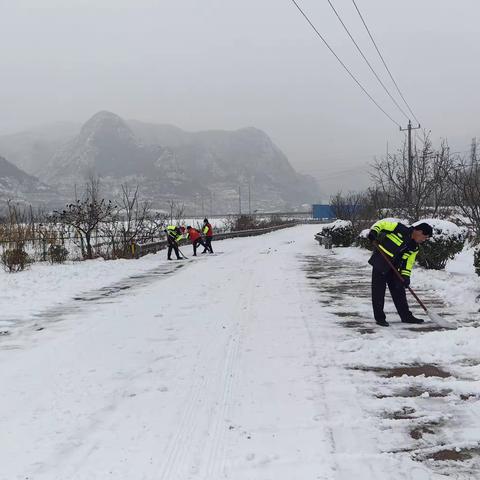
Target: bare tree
column 429, row 179
column 348, row 207
column 465, row 179
column 361, row 208
column 85, row 215
column 135, row 219
column 177, row 211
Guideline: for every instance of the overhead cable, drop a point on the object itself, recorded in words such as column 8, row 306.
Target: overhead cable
column 366, row 61
column 343, row 64
column 384, row 63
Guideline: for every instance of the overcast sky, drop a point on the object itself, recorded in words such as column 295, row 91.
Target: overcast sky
column 224, row 64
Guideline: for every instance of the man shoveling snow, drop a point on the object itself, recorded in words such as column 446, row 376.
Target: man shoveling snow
column 399, row 244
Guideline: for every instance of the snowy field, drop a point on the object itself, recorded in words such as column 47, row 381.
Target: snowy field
column 261, row 362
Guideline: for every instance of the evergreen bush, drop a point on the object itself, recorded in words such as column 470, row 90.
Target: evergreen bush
column 337, row 234
column 57, row 253
column 15, row 259
column 448, row 239
column 244, row 222
column 362, row 241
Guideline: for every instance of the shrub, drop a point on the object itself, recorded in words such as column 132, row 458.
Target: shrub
column 57, row 253
column 448, row 239
column 274, row 220
column 337, row 234
column 476, row 260
column 15, row 259
column 362, row 241
column 244, row 222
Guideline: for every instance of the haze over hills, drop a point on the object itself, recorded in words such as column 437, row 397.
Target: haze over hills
column 167, row 162
column 22, row 187
column 31, row 150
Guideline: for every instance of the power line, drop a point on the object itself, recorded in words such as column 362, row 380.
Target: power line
column 366, row 61
column 342, row 64
column 384, row 63
column 342, row 173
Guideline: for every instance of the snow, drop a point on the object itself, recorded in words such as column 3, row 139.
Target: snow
column 336, row 225
column 443, row 229
column 255, row 363
column 43, row 285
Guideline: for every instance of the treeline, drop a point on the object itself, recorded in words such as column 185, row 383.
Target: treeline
column 91, row 227
column 443, row 185
column 86, row 228
column 435, row 184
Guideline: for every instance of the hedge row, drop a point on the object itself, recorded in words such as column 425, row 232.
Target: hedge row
column 447, row 241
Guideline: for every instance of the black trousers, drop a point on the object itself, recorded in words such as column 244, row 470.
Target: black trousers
column 397, row 291
column 196, row 243
column 172, row 245
column 208, row 244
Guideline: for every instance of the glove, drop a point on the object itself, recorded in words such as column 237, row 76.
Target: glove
column 372, row 235
column 406, row 281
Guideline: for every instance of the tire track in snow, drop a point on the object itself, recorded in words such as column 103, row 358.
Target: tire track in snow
column 178, row 450
column 215, row 465
column 197, row 449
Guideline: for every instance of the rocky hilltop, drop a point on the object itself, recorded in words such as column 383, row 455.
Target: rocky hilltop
column 171, row 164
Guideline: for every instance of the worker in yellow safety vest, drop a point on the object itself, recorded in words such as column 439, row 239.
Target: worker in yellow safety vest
column 400, row 244
column 174, row 235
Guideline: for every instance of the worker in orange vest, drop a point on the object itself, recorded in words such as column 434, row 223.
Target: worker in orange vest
column 196, row 238
column 208, row 232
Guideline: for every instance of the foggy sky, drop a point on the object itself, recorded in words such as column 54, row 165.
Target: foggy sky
column 224, row 64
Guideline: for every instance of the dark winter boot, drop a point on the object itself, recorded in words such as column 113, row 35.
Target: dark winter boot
column 413, row 319
column 382, row 323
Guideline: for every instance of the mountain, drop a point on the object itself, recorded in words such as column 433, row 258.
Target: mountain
column 17, row 185
column 225, row 160
column 106, row 146
column 172, row 164
column 32, row 149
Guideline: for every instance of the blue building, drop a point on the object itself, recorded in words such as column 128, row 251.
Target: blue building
column 322, row 212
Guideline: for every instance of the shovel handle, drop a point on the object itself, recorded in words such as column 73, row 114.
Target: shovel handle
column 397, row 273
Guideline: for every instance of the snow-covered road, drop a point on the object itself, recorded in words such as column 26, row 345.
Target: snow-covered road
column 253, row 364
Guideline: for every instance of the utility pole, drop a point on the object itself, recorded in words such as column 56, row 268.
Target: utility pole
column 249, row 200
column 239, row 201
column 435, row 173
column 410, row 157
column 473, row 151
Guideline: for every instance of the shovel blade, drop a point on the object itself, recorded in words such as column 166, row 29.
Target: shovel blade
column 441, row 322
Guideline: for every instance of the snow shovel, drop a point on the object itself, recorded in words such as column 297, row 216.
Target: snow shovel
column 434, row 317
column 181, row 253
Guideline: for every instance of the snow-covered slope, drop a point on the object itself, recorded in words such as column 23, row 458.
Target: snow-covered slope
column 18, row 186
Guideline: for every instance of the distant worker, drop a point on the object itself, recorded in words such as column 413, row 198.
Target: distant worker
column 208, row 232
column 400, row 244
column 196, row 238
column 174, row 235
